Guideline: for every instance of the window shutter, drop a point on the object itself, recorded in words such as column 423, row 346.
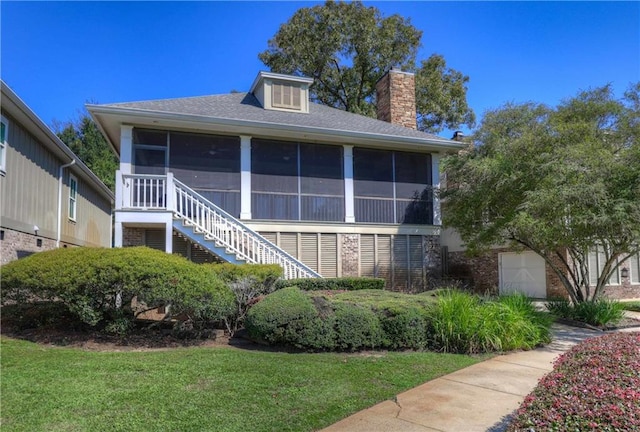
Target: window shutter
column 154, row 238
column 329, row 255
column 383, row 259
column 296, row 97
column 309, row 243
column 416, row 268
column 277, row 94
column 367, row 255
column 400, row 263
column 289, row 242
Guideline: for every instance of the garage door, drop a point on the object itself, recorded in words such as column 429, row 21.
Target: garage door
column 523, row 272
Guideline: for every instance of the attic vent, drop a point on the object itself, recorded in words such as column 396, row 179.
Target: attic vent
column 285, row 96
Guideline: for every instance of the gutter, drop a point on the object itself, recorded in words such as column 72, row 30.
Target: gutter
column 60, row 172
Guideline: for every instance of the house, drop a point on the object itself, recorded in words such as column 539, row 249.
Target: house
column 269, row 176
column 508, row 270
column 49, row 198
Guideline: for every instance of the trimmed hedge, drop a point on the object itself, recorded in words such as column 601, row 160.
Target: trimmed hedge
column 373, row 319
column 334, row 284
column 266, row 274
column 289, row 317
column 97, row 285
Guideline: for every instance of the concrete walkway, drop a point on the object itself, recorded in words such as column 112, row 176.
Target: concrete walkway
column 478, row 398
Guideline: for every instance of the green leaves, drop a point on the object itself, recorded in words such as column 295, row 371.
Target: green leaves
column 85, row 140
column 348, row 47
column 558, row 181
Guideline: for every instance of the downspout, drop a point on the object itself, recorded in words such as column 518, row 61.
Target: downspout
column 60, row 172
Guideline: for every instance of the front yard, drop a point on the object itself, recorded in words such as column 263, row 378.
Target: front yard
column 203, row 389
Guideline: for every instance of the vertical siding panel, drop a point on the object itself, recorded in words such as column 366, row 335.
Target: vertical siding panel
column 400, row 263
column 383, row 258
column 329, row 255
column 416, row 268
column 289, row 242
column 367, row 255
column 309, row 250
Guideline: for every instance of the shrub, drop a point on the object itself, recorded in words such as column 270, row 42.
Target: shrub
column 594, row 386
column 599, row 312
column 632, row 306
column 464, row 323
column 98, row 285
column 248, row 282
column 356, row 327
column 334, row 284
column 404, row 325
column 289, row 317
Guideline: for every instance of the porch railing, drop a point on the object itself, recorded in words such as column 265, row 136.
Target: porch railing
column 151, row 192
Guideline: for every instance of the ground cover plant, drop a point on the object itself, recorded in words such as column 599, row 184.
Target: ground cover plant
column 450, row 321
column 600, row 312
column 594, row 386
column 214, row 389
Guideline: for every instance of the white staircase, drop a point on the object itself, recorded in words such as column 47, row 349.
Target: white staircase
column 206, row 224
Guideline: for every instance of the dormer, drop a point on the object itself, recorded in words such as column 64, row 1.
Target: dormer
column 282, row 92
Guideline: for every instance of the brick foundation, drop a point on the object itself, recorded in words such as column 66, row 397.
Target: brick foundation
column 350, row 252
column 132, row 236
column 16, row 244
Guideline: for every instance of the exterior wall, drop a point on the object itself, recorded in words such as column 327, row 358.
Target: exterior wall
column 15, row 245
column 407, row 262
column 396, row 98
column 29, row 191
column 481, row 273
column 132, row 236
column 626, row 290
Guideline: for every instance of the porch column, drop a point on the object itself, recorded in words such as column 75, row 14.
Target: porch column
column 349, row 213
column 435, row 183
column 245, row 177
column 117, row 234
column 126, row 149
column 168, row 239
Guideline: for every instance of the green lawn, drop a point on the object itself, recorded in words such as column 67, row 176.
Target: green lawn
column 200, row 389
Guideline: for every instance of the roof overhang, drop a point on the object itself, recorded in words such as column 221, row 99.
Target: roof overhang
column 16, row 108
column 110, row 119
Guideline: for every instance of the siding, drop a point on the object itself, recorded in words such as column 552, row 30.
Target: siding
column 29, row 193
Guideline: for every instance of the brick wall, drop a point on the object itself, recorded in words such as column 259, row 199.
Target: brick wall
column 396, row 98
column 16, row 244
column 132, row 236
column 432, row 257
column 350, row 250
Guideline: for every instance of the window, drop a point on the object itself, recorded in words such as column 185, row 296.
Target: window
column 73, row 197
column 150, row 151
column 210, row 165
column 634, row 269
column 4, row 137
column 392, row 187
column 292, row 181
column 285, row 96
column 595, row 263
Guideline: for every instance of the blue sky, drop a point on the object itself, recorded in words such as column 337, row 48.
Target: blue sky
column 58, row 55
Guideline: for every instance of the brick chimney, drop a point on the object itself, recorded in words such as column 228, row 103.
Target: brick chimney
column 396, row 98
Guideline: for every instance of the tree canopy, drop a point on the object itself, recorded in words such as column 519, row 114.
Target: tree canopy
column 347, row 47
column 561, row 182
column 84, row 138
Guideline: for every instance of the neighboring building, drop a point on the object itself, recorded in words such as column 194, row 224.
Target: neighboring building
column 48, row 197
column 504, row 270
column 344, row 194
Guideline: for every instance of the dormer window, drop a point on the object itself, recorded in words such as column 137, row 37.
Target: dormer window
column 285, row 95
column 282, row 92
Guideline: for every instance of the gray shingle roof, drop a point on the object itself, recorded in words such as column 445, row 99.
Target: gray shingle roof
column 245, row 107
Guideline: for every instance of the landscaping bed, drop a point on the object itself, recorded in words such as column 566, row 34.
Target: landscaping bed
column 594, row 386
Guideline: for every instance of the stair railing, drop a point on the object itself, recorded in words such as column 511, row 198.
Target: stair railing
column 226, row 231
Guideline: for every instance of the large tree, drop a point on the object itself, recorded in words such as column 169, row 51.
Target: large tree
column 347, row 47
column 84, row 138
column 562, row 182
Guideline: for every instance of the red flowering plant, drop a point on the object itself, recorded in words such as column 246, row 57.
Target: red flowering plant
column 594, row 386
